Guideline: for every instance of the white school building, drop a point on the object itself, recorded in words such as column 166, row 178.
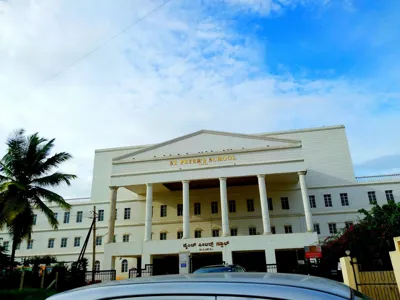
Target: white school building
column 211, row 197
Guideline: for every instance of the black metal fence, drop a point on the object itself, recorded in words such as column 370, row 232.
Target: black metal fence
column 147, row 271
column 377, row 282
column 101, row 276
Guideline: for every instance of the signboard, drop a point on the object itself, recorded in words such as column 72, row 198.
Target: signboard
column 206, row 160
column 184, row 263
column 313, row 252
column 209, row 246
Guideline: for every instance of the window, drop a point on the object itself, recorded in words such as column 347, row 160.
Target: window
column 125, row 238
column 97, row 265
column 270, row 206
column 232, row 206
column 197, row 234
column 252, row 231
column 197, row 209
column 66, row 217
column 215, row 232
column 34, row 219
column 114, row 238
column 389, row 195
column 250, row 205
column 372, row 197
column 100, row 215
column 163, row 236
column 56, row 216
column 163, row 212
column 214, row 207
column 233, row 231
column 273, row 230
column 285, row 202
column 344, row 199
column 63, row 242
column 116, row 214
column 313, row 204
column 348, row 224
column 288, row 229
column 124, row 266
column 50, row 243
column 179, row 235
column 30, row 244
column 328, row 200
column 18, row 246
column 317, row 229
column 332, row 228
column 127, row 213
column 6, row 244
column 77, row 241
column 79, row 216
column 99, row 240
column 179, row 210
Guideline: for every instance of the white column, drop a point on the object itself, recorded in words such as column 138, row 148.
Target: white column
column 264, row 204
column 306, row 201
column 149, row 208
column 111, row 220
column 186, row 222
column 224, row 207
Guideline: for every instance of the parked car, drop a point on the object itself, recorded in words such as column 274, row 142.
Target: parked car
column 212, row 286
column 220, row 269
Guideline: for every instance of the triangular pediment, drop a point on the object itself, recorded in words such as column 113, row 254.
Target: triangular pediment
column 206, row 141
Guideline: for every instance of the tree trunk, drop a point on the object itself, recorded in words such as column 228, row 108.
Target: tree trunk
column 14, row 247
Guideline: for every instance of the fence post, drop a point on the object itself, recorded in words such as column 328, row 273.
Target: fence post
column 21, row 282
column 56, row 280
column 42, row 279
column 348, row 272
column 395, row 258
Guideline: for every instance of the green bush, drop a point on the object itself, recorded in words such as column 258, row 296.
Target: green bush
column 26, row 294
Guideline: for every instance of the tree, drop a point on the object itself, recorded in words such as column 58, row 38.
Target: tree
column 370, row 240
column 26, row 173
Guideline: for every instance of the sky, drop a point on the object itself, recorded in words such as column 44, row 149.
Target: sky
column 70, row 71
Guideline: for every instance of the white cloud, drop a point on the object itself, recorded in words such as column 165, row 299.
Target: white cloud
column 178, row 71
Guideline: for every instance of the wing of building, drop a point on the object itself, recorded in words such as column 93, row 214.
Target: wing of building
column 212, row 197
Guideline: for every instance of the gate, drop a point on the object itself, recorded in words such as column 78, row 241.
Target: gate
column 146, row 272
column 376, row 282
column 101, row 276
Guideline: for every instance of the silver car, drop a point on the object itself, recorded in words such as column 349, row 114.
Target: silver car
column 216, row 286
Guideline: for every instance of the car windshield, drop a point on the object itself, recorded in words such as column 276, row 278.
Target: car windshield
column 214, row 270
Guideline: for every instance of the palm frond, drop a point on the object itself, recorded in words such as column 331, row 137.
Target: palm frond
column 21, row 226
column 13, row 161
column 54, row 179
column 46, row 211
column 52, row 162
column 42, row 152
column 32, row 143
column 51, row 197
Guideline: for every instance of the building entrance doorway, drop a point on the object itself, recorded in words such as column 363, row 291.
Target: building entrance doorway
column 288, row 260
column 252, row 261
column 198, row 260
column 165, row 264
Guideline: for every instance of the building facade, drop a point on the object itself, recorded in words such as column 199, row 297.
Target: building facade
column 211, row 197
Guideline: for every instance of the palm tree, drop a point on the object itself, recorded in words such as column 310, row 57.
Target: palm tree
column 25, row 176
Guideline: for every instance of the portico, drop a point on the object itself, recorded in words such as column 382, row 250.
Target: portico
column 223, row 183
column 191, row 197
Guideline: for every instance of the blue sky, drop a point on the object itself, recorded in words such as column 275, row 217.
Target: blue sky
column 245, row 66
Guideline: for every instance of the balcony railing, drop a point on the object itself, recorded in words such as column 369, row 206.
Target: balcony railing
column 379, row 178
